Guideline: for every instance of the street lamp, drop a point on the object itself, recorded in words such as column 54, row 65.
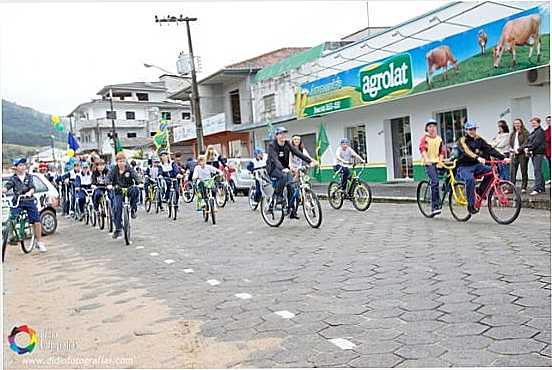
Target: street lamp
column 195, row 92
column 147, row 65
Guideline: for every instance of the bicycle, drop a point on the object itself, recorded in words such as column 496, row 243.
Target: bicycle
column 151, row 194
column 209, row 205
column 126, row 212
column 502, row 196
column 229, row 184
column 172, row 202
column 252, row 193
column 221, row 195
column 305, row 197
column 356, row 190
column 161, row 190
column 89, row 213
column 17, row 228
column 455, row 190
column 187, row 190
column 103, row 213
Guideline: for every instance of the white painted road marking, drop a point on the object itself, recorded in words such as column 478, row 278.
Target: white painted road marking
column 343, row 343
column 169, row 261
column 285, row 314
column 213, row 282
column 140, row 247
column 153, row 254
column 243, row 295
column 188, row 271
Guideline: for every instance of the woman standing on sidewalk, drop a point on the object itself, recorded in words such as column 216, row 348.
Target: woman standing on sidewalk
column 501, row 142
column 518, row 139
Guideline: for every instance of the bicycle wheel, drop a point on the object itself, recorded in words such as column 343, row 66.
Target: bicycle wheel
column 148, row 200
column 170, row 206
column 212, row 209
column 206, row 210
column 221, row 196
column 458, row 204
column 423, row 198
column 188, row 193
column 335, row 195
column 174, row 202
column 362, row 195
column 109, row 216
column 100, row 215
column 251, row 197
column 230, row 192
column 273, row 215
column 312, row 208
column 27, row 230
column 92, row 213
column 6, row 233
column 504, row 202
column 126, row 225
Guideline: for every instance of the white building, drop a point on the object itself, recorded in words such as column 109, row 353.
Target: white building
column 138, row 108
column 386, row 130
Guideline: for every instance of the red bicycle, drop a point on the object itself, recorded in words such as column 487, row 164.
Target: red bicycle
column 187, row 189
column 503, row 199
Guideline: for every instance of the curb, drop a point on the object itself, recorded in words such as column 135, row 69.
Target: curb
column 525, row 203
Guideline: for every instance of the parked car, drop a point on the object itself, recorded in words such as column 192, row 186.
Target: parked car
column 243, row 177
column 48, row 201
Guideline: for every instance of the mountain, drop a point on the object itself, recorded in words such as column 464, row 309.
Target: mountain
column 27, row 127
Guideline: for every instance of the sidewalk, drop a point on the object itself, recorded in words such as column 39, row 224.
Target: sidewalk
column 405, row 192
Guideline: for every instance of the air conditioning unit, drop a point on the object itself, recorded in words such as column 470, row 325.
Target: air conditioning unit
column 538, row 76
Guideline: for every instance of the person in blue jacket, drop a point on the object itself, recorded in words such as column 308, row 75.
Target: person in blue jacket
column 168, row 170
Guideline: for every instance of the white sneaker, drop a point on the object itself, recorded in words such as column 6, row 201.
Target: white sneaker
column 523, row 191
column 41, row 247
column 534, row 192
column 548, row 182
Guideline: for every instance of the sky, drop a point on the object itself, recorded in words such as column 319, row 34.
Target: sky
column 54, row 56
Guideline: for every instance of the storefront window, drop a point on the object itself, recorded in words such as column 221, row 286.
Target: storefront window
column 357, row 138
column 238, row 149
column 451, row 126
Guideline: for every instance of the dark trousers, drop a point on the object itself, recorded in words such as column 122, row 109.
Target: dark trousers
column 133, row 194
column 345, row 174
column 284, row 180
column 468, row 173
column 504, row 171
column 537, row 167
column 433, row 173
column 80, row 197
column 519, row 160
column 257, row 196
column 96, row 196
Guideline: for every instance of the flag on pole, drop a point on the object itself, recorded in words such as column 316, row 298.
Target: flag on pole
column 322, row 145
column 160, row 138
column 118, row 146
column 72, row 144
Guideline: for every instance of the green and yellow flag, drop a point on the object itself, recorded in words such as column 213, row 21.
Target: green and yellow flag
column 322, row 145
column 160, row 138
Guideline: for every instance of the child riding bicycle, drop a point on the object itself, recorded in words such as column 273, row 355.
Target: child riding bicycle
column 344, row 155
column 202, row 172
column 433, row 153
column 257, row 163
column 23, row 187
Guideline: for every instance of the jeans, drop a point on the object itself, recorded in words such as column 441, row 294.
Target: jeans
column 519, row 160
column 504, row 171
column 468, row 173
column 96, row 196
column 133, row 194
column 80, row 197
column 284, row 180
column 257, row 196
column 537, row 166
column 169, row 183
column 433, row 173
column 345, row 174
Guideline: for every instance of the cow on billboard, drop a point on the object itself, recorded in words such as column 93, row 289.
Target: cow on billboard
column 439, row 57
column 518, row 32
column 482, row 41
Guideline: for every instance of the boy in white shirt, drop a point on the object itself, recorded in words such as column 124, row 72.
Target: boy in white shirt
column 201, row 172
column 344, row 156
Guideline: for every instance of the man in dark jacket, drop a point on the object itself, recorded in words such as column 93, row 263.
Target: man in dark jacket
column 474, row 150
column 278, row 165
column 122, row 175
column 535, row 148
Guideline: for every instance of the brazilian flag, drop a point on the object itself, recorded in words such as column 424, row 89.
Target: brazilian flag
column 160, row 138
column 322, row 144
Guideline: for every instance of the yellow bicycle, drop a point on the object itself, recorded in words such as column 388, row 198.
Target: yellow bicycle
column 455, row 190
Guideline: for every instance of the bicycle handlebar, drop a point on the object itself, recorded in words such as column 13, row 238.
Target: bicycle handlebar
column 16, row 205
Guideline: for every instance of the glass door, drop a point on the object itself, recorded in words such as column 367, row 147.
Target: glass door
column 451, row 126
column 402, row 148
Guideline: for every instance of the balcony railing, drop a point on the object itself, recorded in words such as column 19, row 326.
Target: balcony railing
column 124, row 123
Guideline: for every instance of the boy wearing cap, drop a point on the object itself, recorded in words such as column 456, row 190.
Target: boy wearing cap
column 344, row 155
column 433, row 152
column 22, row 184
column 83, row 181
column 473, row 152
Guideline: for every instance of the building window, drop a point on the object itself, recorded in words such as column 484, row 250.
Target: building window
column 166, row 116
column 131, row 134
column 152, row 133
column 186, row 116
column 142, row 96
column 357, row 138
column 111, row 114
column 269, row 103
column 235, row 106
column 130, row 115
column 451, row 125
column 238, row 149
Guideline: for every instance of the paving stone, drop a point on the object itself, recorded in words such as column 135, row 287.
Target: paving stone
column 465, row 342
column 425, row 363
column 380, row 346
column 382, row 334
column 495, row 299
column 503, row 320
column 342, row 331
column 332, row 359
column 516, row 346
column 493, row 309
column 459, row 307
column 343, row 320
column 523, row 361
column 511, row 332
column 422, row 326
column 462, row 317
column 385, row 360
column 470, row 358
column 537, row 311
column 421, row 315
column 540, row 323
column 419, row 338
column 421, row 351
column 463, row 329
column 456, row 298
column 533, row 301
column 420, row 304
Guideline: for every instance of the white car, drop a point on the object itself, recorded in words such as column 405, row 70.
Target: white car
column 243, row 178
column 48, row 200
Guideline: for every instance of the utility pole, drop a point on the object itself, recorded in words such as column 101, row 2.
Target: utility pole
column 53, row 149
column 113, row 133
column 195, row 91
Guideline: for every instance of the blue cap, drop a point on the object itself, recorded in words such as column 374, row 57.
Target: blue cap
column 470, row 124
column 19, row 161
column 258, row 151
column 280, row 130
column 344, row 140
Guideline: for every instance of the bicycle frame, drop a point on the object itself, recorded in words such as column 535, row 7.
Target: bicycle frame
column 492, row 184
column 450, row 184
column 355, row 176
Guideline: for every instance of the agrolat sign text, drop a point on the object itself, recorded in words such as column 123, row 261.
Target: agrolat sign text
column 393, row 76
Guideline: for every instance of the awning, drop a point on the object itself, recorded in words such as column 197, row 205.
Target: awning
column 294, row 61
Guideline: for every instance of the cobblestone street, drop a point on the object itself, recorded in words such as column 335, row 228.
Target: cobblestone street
column 384, row 288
